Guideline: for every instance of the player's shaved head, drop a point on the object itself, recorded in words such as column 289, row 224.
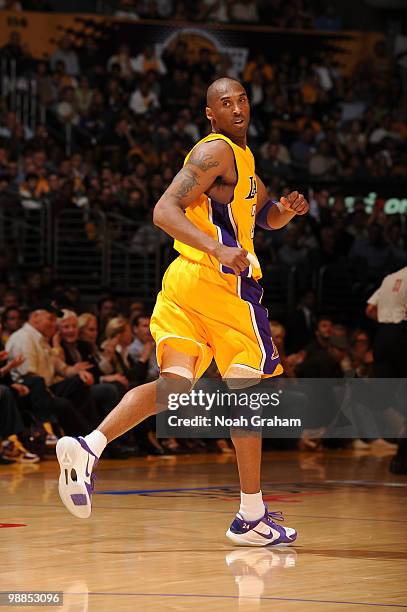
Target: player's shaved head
column 228, row 109
column 219, row 88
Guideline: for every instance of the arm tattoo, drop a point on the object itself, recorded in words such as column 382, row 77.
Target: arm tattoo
column 187, row 181
column 204, row 161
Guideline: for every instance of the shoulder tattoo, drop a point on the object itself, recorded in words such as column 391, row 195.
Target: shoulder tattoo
column 204, row 161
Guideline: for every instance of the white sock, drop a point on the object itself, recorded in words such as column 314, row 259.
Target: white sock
column 96, row 442
column 251, row 506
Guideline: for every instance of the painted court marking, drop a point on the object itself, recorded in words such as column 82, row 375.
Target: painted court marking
column 265, row 598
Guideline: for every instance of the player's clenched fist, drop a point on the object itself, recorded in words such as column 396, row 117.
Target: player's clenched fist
column 233, row 257
column 295, row 202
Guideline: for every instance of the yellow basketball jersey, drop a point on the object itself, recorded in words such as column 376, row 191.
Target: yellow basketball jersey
column 231, row 224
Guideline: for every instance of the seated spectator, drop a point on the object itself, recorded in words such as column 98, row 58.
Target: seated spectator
column 21, row 397
column 352, row 107
column 259, row 63
column 11, row 321
column 11, row 426
column 66, row 54
column 302, row 149
column 302, row 323
column 127, row 9
column 213, row 10
column 274, row 138
column 123, row 60
column 354, row 138
column 30, row 193
column 11, row 298
column 88, row 333
column 46, row 85
column 67, row 108
column 146, row 61
column 143, row 100
column 244, row 11
column 107, row 309
column 143, row 346
column 119, row 329
column 271, row 165
column 11, row 129
column 322, row 335
column 327, row 253
column 323, row 164
column 106, row 390
column 176, row 58
column 176, row 90
column 362, row 354
column 14, row 50
column 84, row 95
column 278, row 333
column 291, row 253
column 68, row 384
column 394, row 238
column 147, row 239
column 373, row 250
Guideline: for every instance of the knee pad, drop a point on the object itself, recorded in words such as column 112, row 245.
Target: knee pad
column 237, row 377
column 181, row 371
column 170, row 383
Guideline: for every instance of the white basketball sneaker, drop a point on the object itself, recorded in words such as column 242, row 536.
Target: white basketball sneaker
column 263, row 532
column 76, row 481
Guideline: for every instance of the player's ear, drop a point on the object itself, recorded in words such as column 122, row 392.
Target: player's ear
column 209, row 113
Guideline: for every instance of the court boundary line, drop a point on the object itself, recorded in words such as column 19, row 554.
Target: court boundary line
column 213, row 511
column 265, row 598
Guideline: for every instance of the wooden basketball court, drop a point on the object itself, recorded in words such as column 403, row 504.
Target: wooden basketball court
column 155, row 540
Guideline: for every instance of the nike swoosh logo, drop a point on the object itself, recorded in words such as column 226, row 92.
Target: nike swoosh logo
column 87, row 474
column 272, row 535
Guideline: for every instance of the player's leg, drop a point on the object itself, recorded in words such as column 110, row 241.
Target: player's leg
column 248, row 456
column 244, row 352
column 254, row 525
column 78, row 456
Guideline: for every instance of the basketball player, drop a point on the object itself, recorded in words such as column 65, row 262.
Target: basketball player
column 209, row 306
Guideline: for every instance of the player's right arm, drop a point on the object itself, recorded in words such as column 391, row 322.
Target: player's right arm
column 208, row 161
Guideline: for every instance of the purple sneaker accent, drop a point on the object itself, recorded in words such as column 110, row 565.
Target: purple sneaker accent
column 88, row 450
column 86, row 447
column 89, row 487
column 79, row 499
column 240, row 526
column 87, row 474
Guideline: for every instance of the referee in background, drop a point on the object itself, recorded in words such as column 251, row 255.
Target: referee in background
column 388, row 306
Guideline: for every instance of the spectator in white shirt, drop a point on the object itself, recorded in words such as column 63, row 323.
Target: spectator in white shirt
column 68, row 55
column 123, row 59
column 143, row 99
column 69, row 384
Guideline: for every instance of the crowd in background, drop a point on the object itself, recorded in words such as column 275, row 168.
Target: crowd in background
column 133, row 118
column 114, row 132
column 299, row 14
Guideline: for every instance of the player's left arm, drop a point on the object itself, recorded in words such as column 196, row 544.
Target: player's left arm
column 274, row 215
